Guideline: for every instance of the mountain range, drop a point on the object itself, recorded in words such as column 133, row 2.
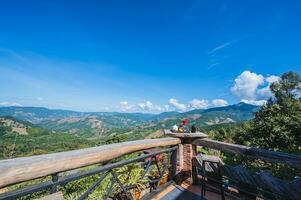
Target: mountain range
column 99, row 124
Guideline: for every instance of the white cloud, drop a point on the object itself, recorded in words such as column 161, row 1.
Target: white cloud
column 253, row 88
column 125, row 106
column 246, row 85
column 123, row 103
column 271, row 79
column 222, row 46
column 254, row 102
column 179, row 106
column 40, row 98
column 146, row 106
column 150, row 107
column 198, row 104
column 160, row 109
column 166, row 108
column 219, row 102
column 193, row 104
column 266, row 92
column 5, row 104
column 213, row 65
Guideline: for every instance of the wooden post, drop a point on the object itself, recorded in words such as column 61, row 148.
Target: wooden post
column 186, row 151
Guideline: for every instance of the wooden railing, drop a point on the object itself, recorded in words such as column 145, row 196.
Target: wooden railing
column 13, row 171
column 248, row 181
column 180, row 150
column 256, row 153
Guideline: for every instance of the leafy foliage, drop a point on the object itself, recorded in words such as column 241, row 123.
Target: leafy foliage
column 277, row 125
column 4, row 129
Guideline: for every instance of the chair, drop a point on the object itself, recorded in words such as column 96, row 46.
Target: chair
column 212, row 164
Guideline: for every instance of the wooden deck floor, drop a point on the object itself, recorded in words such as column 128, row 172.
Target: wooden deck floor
column 184, row 192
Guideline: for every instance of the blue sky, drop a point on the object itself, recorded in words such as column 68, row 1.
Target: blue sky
column 146, row 56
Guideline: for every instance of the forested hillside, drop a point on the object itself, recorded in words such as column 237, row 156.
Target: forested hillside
column 19, row 138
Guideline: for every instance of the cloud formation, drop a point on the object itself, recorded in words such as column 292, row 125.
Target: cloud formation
column 5, row 104
column 179, row 106
column 125, row 106
column 146, row 106
column 221, row 46
column 253, row 88
column 198, row 104
column 266, row 92
column 219, row 102
column 254, row 102
column 246, row 84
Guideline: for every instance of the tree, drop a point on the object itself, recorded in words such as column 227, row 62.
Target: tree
column 116, row 139
column 287, row 88
column 4, row 129
column 277, row 125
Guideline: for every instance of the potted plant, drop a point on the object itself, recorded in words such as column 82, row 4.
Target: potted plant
column 130, row 176
column 155, row 173
column 164, row 178
column 140, row 186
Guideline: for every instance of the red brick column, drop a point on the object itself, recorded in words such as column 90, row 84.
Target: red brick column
column 189, row 151
column 180, row 161
column 186, row 151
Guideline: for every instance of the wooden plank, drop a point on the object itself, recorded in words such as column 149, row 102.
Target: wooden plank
column 295, row 188
column 54, row 196
column 17, row 170
column 271, row 156
column 273, row 184
column 210, row 162
column 164, row 192
column 263, row 180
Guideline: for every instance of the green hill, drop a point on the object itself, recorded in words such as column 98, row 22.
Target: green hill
column 18, row 138
column 213, row 116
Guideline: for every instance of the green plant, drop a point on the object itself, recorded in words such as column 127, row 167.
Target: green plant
column 131, row 175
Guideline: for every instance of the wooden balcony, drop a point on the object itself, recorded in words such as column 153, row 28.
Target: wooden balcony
column 180, row 172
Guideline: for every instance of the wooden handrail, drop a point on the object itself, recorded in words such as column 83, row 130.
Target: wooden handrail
column 17, row 170
column 271, row 156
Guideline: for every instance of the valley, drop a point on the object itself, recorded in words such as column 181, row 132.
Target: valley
column 34, row 130
column 103, row 124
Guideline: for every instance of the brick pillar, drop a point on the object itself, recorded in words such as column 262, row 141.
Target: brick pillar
column 186, row 151
column 189, row 151
column 180, row 159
